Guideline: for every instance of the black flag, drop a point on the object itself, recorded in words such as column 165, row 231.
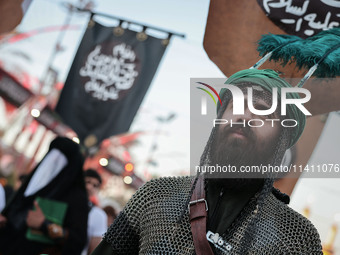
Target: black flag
column 302, row 18
column 108, row 79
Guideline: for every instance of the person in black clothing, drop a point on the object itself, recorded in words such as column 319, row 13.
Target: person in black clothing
column 58, row 177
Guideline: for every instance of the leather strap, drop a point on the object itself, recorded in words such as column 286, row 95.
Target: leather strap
column 198, row 208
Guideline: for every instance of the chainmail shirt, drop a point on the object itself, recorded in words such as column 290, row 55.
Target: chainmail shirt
column 147, row 225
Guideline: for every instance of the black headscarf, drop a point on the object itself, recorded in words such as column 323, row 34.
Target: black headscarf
column 68, row 184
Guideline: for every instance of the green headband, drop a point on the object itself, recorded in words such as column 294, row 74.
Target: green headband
column 269, row 79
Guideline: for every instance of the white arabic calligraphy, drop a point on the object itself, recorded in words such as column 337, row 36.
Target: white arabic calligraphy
column 291, row 9
column 317, row 25
column 333, row 3
column 265, row 5
column 312, row 23
column 310, row 18
column 109, row 74
column 299, row 11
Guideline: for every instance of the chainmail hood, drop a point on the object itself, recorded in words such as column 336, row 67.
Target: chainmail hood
column 280, row 149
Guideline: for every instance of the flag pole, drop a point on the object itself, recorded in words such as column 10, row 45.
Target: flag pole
column 131, row 22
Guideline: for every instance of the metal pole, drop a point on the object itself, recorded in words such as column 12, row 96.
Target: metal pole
column 132, row 22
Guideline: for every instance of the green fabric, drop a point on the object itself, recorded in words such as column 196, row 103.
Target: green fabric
column 269, row 79
column 225, row 209
column 55, row 212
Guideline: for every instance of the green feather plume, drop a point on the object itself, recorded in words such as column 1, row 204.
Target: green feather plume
column 277, row 45
column 322, row 49
column 271, row 42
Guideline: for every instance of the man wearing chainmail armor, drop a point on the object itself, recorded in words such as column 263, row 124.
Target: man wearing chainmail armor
column 245, row 215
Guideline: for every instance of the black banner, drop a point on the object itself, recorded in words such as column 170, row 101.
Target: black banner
column 303, row 18
column 108, row 79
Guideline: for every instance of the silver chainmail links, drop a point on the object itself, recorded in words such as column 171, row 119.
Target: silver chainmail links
column 148, row 225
